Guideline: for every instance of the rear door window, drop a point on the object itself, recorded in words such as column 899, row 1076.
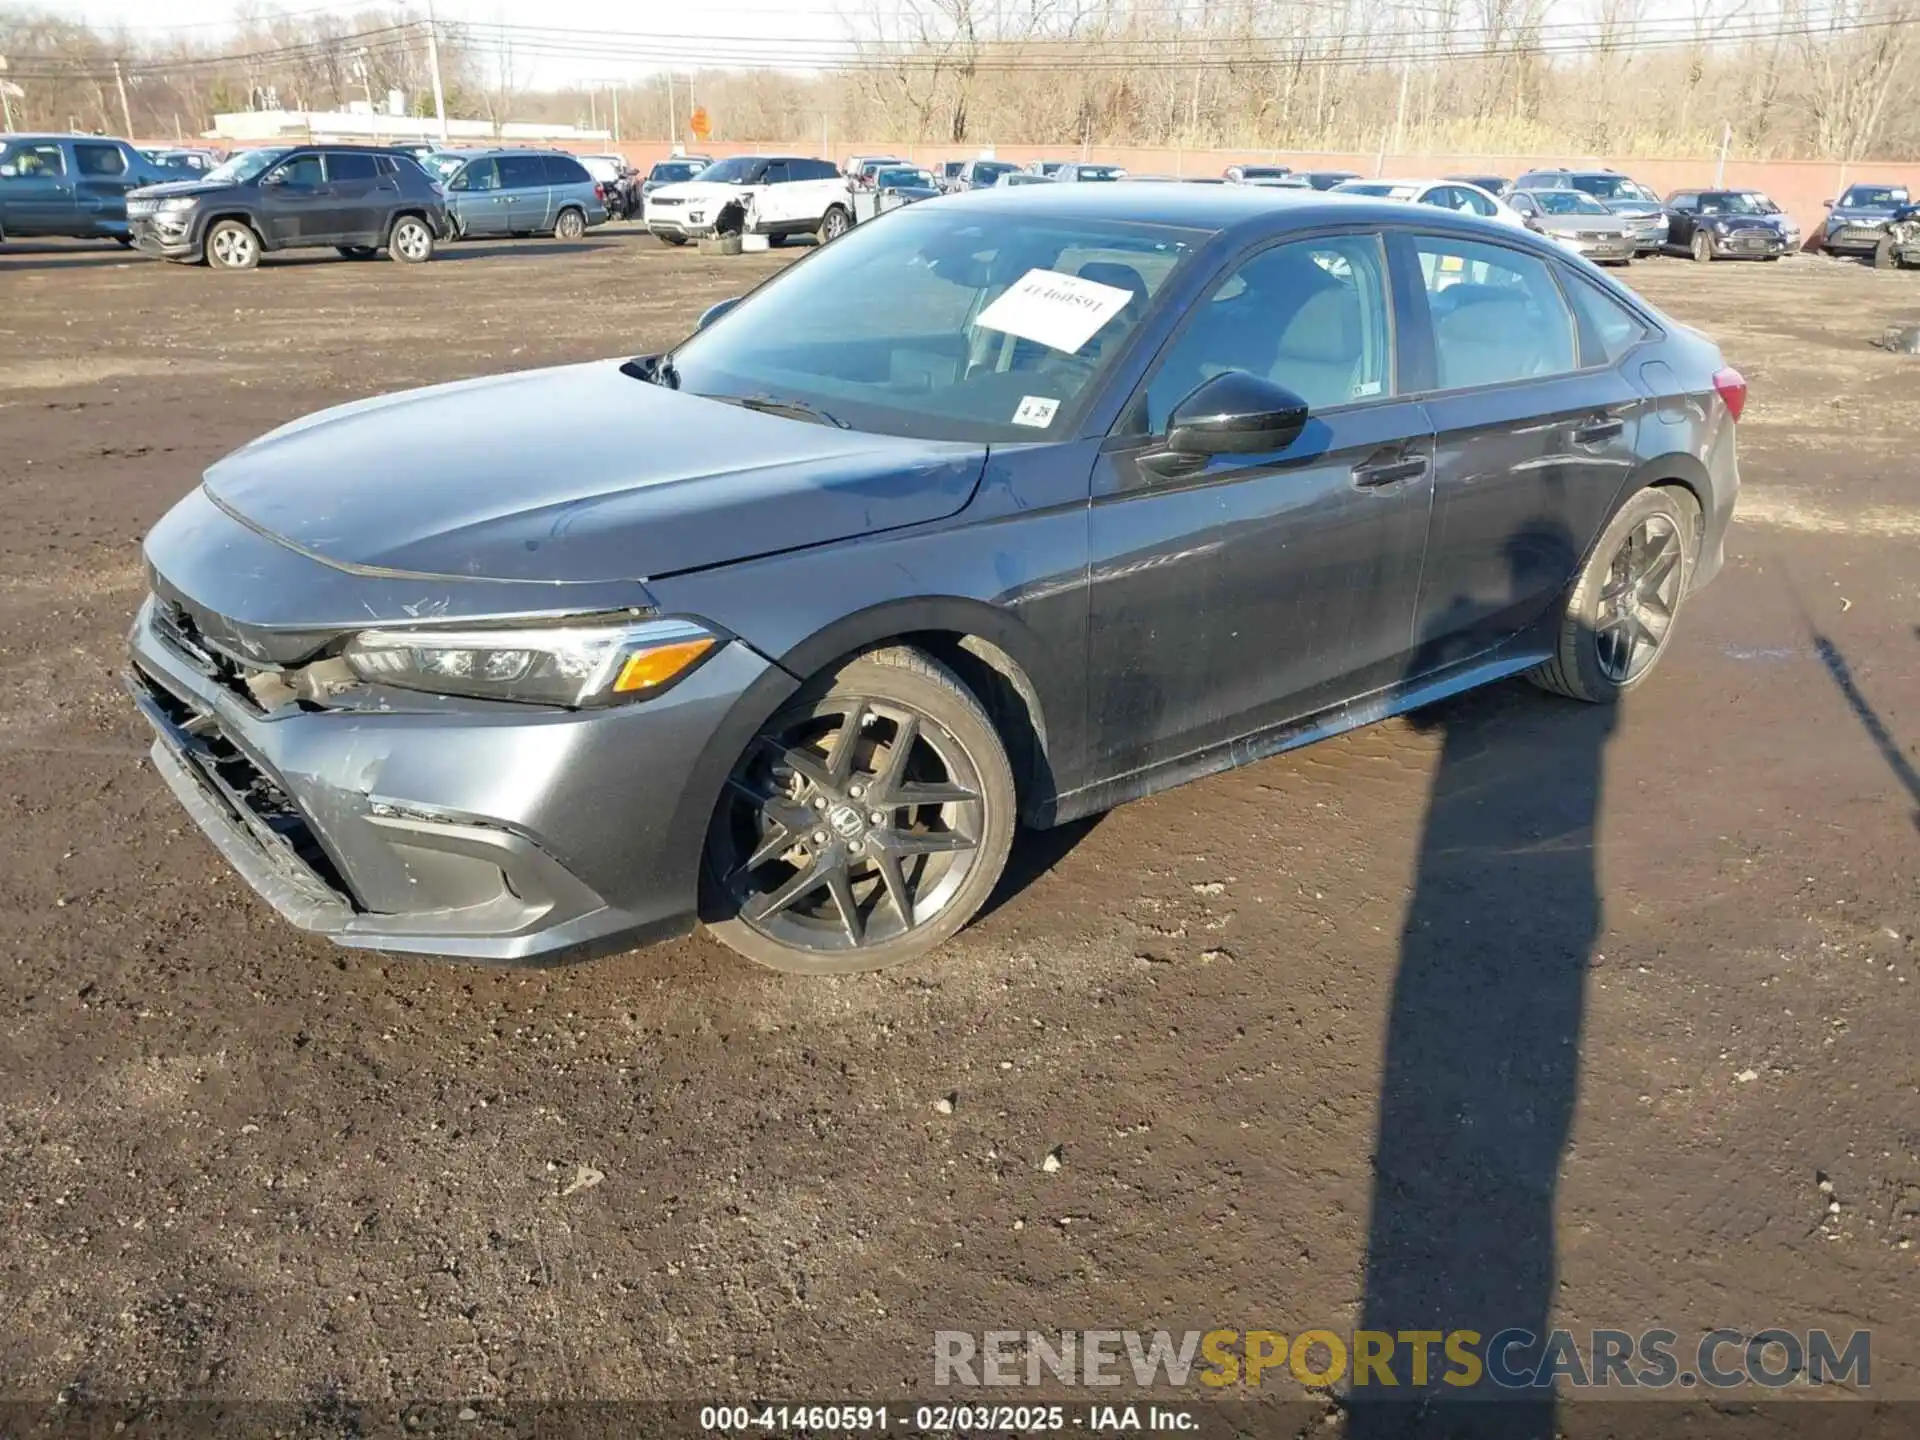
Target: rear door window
column 1606, row 325
column 350, row 165
column 776, row 173
column 101, row 160
column 1498, row 315
column 522, row 172
column 563, row 170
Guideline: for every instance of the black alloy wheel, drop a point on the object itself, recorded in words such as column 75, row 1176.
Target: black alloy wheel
column 1639, row 600
column 1619, row 615
column 864, row 825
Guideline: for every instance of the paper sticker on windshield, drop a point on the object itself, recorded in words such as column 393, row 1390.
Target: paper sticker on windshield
column 1060, row 311
column 1035, row 410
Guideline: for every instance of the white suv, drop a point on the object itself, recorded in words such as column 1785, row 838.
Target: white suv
column 772, row 195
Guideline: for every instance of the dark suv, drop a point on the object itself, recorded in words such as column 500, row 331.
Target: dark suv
column 357, row 199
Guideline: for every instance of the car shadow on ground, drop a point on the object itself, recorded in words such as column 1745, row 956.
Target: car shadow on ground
column 1482, row 1054
column 25, row 255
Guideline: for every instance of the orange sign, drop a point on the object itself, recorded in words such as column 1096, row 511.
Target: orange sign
column 699, row 124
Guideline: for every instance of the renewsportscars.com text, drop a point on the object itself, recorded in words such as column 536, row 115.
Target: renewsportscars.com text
column 1511, row 1359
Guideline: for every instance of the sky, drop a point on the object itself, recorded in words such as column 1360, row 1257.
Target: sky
column 731, row 21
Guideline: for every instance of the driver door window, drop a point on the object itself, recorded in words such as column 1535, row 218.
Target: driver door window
column 1310, row 315
column 302, row 172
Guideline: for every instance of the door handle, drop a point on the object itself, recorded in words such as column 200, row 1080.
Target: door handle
column 1375, row 475
column 1601, row 427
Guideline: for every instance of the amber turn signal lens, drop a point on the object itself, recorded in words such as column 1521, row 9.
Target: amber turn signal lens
column 646, row 669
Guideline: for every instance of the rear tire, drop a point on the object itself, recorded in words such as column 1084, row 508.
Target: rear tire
column 232, row 245
column 569, row 224
column 835, row 223
column 801, row 802
column 1621, row 611
column 410, row 241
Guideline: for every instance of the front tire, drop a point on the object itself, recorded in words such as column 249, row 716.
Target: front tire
column 1620, row 613
column 410, row 241
column 674, row 240
column 835, row 223
column 232, row 245
column 868, row 821
column 1883, row 255
column 356, row 252
column 570, row 224
column 1702, row 247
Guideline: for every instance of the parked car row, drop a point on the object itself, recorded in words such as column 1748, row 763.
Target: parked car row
column 185, row 204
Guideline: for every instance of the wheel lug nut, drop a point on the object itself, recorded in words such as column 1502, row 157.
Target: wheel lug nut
column 877, row 818
column 819, row 802
column 819, row 837
column 857, row 791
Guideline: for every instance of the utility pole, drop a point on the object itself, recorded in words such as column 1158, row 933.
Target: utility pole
column 1726, row 142
column 433, row 64
column 673, row 138
column 6, row 103
column 1400, row 111
column 126, row 111
column 615, row 91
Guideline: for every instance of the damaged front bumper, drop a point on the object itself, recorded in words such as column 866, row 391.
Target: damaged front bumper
column 499, row 833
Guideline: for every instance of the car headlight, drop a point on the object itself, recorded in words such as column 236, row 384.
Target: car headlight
column 177, row 204
column 576, row 664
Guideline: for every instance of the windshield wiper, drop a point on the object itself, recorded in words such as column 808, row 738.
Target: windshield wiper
column 792, row 409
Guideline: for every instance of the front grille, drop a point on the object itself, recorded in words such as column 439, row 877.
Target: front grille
column 247, row 793
column 1752, row 240
column 1855, row 234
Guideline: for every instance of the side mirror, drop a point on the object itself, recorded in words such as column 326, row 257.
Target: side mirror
column 714, row 312
column 1826, row 204
column 1237, row 413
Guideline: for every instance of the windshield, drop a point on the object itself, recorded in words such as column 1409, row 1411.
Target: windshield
column 734, row 170
column 442, row 166
column 247, row 164
column 1384, row 189
column 1612, row 187
column 988, row 171
column 1263, row 172
column 1729, row 204
column 1764, row 201
column 1568, row 202
column 903, row 179
column 669, row 171
column 952, row 355
column 1098, row 172
column 1875, row 197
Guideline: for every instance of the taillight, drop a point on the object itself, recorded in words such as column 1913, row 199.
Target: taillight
column 1732, row 388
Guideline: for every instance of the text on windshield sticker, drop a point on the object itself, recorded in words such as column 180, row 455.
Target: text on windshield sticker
column 1062, row 312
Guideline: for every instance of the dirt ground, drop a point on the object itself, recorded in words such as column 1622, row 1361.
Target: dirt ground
column 1609, row 995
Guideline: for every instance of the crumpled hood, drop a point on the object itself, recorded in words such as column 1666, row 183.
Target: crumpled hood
column 577, row 473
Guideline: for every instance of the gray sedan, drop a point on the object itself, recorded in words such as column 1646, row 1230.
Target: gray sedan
column 1109, row 488
column 1579, row 222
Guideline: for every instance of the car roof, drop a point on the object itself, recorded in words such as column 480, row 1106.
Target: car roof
column 1218, row 208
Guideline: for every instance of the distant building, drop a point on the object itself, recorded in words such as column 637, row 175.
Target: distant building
column 364, row 124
